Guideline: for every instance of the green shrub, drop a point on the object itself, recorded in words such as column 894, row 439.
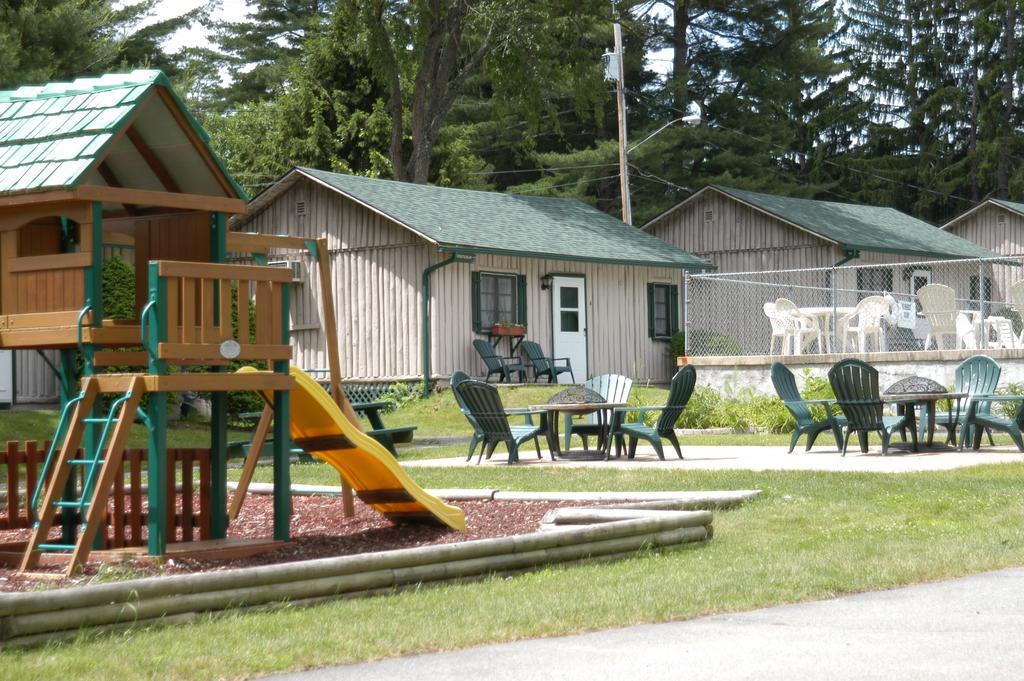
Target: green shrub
column 747, row 408
column 702, row 409
column 118, row 289
column 1008, row 409
column 707, row 342
column 399, row 395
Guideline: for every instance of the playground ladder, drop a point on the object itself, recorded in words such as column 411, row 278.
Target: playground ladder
column 100, row 464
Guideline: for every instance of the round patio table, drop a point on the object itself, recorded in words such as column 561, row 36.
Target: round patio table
column 577, row 401
column 918, row 390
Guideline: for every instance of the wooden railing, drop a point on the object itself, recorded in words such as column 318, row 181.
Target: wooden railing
column 198, row 301
column 45, row 283
column 126, row 519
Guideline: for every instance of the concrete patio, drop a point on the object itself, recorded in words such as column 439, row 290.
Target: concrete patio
column 762, row 458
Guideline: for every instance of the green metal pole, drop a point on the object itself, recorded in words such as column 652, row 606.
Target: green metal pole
column 157, row 456
column 425, row 316
column 219, row 400
column 67, row 380
column 94, row 298
column 282, row 439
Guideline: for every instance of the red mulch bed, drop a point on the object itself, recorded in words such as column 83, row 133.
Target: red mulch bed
column 319, row 530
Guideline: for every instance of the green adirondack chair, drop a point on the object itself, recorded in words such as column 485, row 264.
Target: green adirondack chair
column 546, row 366
column 977, row 421
column 679, row 393
column 977, row 375
column 855, row 384
column 486, row 412
column 503, row 366
column 785, row 386
column 478, row 433
column 613, row 388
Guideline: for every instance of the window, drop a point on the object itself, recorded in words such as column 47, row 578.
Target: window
column 986, row 293
column 871, row 281
column 662, row 310
column 498, row 299
column 919, row 278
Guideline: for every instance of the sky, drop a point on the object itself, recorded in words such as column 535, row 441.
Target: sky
column 194, row 36
column 235, row 10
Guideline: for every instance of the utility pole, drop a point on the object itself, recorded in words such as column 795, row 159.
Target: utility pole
column 620, row 102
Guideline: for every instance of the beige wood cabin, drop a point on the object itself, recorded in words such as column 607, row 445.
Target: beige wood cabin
column 801, row 249
column 998, row 225
column 744, row 231
column 393, row 245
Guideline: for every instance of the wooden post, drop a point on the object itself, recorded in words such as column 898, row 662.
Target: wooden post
column 620, row 106
column 319, row 249
column 255, row 447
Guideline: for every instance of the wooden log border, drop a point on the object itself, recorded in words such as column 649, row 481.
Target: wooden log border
column 34, row 618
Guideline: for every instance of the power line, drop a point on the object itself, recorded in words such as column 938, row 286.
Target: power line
column 825, row 161
column 541, row 170
column 566, row 184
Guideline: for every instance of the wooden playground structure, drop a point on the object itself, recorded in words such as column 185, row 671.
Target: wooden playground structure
column 154, row 186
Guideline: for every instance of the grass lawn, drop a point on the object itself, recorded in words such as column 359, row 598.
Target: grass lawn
column 40, row 425
column 812, row 535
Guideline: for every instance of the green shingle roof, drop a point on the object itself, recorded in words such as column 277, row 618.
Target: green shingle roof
column 50, row 135
column 863, row 228
column 1012, row 205
column 507, row 224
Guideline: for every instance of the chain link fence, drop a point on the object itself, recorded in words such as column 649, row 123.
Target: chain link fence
column 860, row 308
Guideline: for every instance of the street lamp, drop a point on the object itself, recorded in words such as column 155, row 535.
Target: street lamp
column 627, row 211
column 691, row 120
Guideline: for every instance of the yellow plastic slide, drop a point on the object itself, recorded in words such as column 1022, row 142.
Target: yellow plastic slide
column 368, row 467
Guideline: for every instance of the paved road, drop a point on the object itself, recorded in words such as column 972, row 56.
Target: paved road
column 970, row 628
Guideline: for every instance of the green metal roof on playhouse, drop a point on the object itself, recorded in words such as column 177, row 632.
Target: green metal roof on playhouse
column 470, row 221
column 57, row 136
column 856, row 227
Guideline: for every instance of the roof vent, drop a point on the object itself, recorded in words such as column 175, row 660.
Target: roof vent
column 709, row 216
column 1001, row 218
column 300, row 207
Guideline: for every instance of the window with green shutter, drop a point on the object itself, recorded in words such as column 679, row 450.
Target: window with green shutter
column 498, row 299
column 662, row 310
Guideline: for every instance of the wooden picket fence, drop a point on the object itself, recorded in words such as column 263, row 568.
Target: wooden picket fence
column 126, row 517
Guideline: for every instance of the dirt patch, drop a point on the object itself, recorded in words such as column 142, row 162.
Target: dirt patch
column 318, row 530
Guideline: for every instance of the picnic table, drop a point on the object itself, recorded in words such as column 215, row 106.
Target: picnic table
column 388, row 437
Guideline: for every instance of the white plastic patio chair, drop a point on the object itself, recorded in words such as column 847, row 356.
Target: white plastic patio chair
column 869, row 314
column 781, row 329
column 938, row 305
column 804, row 328
column 1017, row 296
column 1003, row 328
column 1017, row 304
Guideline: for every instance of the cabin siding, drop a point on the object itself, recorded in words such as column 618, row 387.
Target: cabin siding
column 616, row 297
column 998, row 229
column 376, row 271
column 35, row 382
column 738, row 238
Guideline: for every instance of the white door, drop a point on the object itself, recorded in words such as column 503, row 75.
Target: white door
column 569, row 307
